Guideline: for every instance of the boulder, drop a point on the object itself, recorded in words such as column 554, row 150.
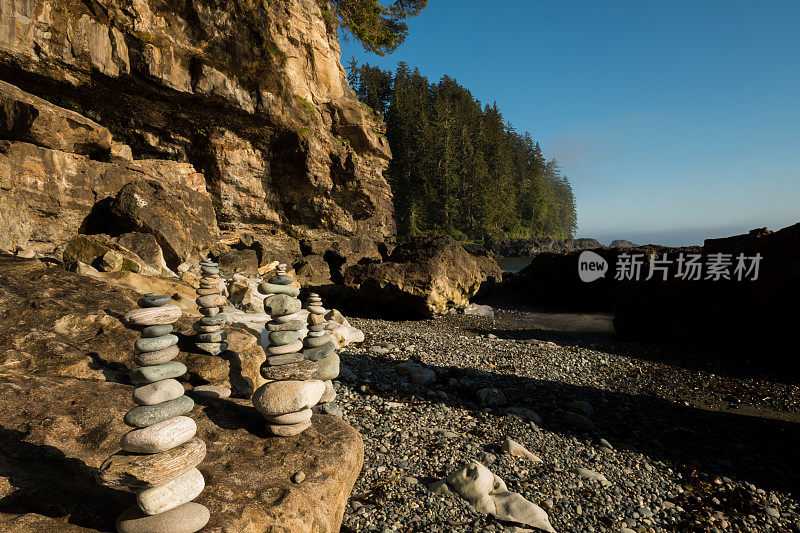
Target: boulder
column 235, row 261
column 181, row 219
column 146, row 247
column 103, row 253
column 422, row 277
column 28, row 118
column 488, row 494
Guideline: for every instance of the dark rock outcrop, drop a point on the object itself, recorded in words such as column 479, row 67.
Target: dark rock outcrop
column 505, row 247
column 422, row 277
column 621, row 243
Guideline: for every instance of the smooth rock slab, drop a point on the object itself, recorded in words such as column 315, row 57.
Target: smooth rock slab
column 281, row 280
column 153, row 300
column 211, row 391
column 272, row 288
column 160, row 437
column 217, row 320
column 293, row 325
column 211, row 300
column 148, row 415
column 154, row 344
column 153, row 316
column 208, row 291
column 292, row 347
column 201, row 328
column 327, row 367
column 281, row 397
column 319, row 352
column 279, row 338
column 298, row 417
column 150, row 374
column 139, row 471
column 209, row 311
column 285, row 359
column 187, row 518
column 156, row 358
column 212, row 348
column 173, row 493
column 298, row 370
column 289, row 318
column 215, row 336
column 314, row 342
column 288, row 430
column 158, row 392
column 157, row 331
column 281, row 305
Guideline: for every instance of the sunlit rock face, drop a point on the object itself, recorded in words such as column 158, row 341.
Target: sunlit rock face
column 249, row 97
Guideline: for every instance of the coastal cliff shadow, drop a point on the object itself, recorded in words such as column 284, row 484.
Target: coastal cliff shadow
column 739, row 358
column 755, row 449
column 46, row 482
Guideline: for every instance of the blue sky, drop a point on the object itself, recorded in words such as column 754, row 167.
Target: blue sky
column 675, row 120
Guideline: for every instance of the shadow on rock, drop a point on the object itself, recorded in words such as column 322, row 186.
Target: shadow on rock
column 46, row 482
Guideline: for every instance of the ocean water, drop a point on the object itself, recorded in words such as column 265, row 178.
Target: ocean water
column 513, row 264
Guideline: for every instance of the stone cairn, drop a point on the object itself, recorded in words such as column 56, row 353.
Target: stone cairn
column 285, row 401
column 159, row 456
column 317, row 349
column 210, row 337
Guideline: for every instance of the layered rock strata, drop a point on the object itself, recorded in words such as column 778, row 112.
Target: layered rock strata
column 210, row 336
column 160, row 454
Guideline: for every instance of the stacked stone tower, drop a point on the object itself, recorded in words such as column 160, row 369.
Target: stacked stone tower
column 320, row 348
column 160, row 454
column 210, row 337
column 286, row 400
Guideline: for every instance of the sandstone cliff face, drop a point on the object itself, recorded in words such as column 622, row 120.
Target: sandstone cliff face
column 245, row 102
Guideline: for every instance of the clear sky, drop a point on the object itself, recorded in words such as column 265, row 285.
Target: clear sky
column 675, row 120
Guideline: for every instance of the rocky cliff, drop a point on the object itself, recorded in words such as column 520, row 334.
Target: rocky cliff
column 237, row 112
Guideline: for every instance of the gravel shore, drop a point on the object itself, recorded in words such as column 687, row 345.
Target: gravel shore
column 679, row 445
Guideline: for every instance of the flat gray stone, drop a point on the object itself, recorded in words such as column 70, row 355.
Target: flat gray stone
column 217, row 320
column 315, row 342
column 281, row 280
column 153, row 300
column 284, row 359
column 157, row 331
column 147, row 415
column 214, row 336
column 281, row 305
column 187, row 518
column 150, row 374
column 212, row 348
column 292, row 325
column 279, row 338
column 319, row 352
column 156, row 358
column 272, row 288
column 158, row 392
column 211, row 391
column 153, row 344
